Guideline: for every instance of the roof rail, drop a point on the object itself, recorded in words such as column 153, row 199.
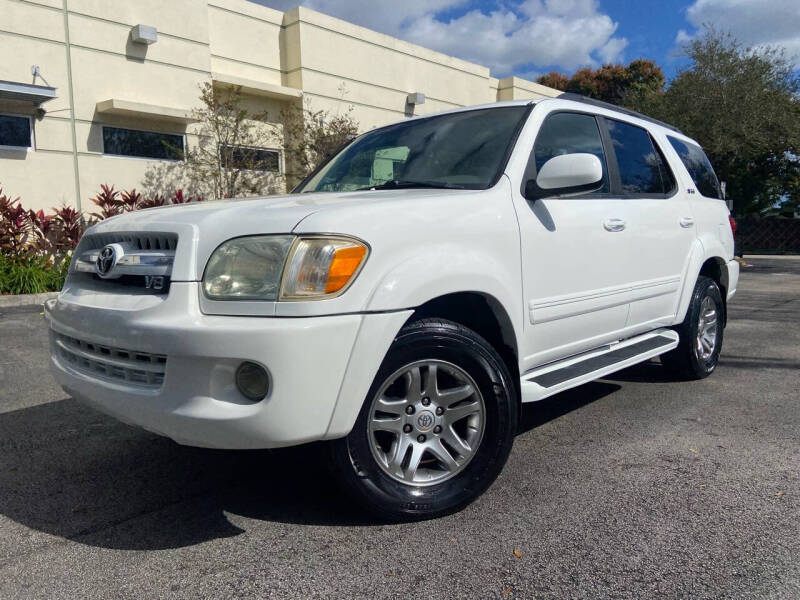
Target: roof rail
column 625, row 111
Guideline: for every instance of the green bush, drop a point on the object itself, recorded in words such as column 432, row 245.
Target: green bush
column 31, row 275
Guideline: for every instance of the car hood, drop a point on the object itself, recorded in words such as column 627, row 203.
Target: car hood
column 203, row 226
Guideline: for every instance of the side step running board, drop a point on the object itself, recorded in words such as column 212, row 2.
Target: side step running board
column 571, row 372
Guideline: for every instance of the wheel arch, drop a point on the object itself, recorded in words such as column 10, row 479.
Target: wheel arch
column 482, row 313
column 701, row 264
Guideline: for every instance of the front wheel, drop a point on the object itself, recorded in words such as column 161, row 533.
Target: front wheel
column 700, row 333
column 436, row 427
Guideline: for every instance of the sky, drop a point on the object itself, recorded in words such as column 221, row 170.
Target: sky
column 531, row 37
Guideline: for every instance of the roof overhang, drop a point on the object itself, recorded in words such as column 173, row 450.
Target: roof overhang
column 127, row 108
column 26, row 92
column 257, row 88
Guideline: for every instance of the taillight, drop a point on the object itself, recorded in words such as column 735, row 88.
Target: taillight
column 732, row 221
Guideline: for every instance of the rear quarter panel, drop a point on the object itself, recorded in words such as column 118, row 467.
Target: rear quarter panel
column 714, row 235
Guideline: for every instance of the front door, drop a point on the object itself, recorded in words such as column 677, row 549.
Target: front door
column 577, row 251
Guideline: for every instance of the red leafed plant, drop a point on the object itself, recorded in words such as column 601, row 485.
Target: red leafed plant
column 42, row 230
column 69, row 226
column 179, row 198
column 108, row 201
column 130, row 201
column 14, row 226
column 153, row 201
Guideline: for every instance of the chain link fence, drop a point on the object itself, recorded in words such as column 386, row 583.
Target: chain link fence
column 773, row 235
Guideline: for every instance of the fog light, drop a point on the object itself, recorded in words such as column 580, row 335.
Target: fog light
column 252, row 381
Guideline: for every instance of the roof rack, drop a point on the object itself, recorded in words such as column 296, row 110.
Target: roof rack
column 625, row 111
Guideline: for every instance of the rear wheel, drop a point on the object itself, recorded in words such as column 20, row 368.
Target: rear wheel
column 436, row 427
column 700, row 333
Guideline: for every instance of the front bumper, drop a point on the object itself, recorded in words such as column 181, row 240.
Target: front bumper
column 308, row 359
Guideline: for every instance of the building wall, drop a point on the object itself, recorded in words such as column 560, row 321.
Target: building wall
column 83, row 49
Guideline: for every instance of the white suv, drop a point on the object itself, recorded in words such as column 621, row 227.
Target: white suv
column 408, row 295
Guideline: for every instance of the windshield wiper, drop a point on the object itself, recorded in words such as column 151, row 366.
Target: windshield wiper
column 396, row 184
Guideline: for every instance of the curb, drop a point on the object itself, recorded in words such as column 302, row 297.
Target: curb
column 26, row 299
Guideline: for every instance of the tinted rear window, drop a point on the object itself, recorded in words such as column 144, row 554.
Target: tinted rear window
column 642, row 169
column 699, row 167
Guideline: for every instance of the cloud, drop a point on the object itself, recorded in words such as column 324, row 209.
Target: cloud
column 527, row 35
column 753, row 22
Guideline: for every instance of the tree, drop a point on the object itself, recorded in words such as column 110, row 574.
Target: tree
column 310, row 136
column 555, row 80
column 741, row 104
column 228, row 159
column 623, row 85
column 225, row 163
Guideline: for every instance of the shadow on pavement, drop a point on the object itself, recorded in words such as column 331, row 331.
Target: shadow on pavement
column 71, row 472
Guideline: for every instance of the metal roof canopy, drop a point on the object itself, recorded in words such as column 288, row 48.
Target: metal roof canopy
column 14, row 90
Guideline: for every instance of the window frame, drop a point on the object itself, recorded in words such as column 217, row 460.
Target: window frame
column 613, row 175
column 111, row 154
column 617, row 183
column 278, row 151
column 32, row 146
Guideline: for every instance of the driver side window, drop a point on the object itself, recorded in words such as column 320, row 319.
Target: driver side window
column 567, row 133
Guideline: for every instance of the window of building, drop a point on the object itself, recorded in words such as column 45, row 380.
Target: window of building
column 699, row 167
column 250, row 158
column 142, row 144
column 16, row 131
column 568, row 133
column 642, row 168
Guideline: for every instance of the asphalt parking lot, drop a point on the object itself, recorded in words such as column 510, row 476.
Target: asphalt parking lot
column 631, row 487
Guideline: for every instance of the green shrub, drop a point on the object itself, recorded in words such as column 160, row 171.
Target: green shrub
column 31, row 275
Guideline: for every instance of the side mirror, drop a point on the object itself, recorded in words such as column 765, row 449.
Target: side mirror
column 566, row 174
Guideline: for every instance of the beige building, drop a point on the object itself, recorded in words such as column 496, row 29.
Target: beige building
column 90, row 88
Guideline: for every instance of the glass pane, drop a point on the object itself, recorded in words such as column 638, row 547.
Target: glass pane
column 251, row 159
column 569, row 133
column 699, row 167
column 641, row 167
column 144, row 144
column 15, row 131
column 389, row 161
column 458, row 150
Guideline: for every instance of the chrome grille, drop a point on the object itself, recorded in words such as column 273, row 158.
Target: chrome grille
column 141, row 240
column 139, row 369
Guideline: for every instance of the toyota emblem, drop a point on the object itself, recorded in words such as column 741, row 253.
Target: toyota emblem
column 424, row 421
column 106, row 260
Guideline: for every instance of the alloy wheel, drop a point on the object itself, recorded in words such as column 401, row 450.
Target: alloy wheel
column 426, row 422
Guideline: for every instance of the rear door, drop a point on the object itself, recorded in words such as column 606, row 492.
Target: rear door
column 665, row 228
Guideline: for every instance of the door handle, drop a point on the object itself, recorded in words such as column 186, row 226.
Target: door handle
column 614, row 224
column 687, row 222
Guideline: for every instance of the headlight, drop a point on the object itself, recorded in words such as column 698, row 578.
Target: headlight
column 321, row 267
column 247, row 268
column 283, row 267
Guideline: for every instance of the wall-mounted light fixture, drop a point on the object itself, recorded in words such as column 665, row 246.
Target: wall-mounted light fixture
column 144, row 34
column 415, row 98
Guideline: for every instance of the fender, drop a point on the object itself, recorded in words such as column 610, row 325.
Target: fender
column 413, row 281
column 697, row 257
column 446, row 269
column 704, row 248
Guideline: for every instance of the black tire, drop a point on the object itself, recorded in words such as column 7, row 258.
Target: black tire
column 684, row 361
column 358, row 471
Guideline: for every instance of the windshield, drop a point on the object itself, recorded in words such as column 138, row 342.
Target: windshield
column 463, row 150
